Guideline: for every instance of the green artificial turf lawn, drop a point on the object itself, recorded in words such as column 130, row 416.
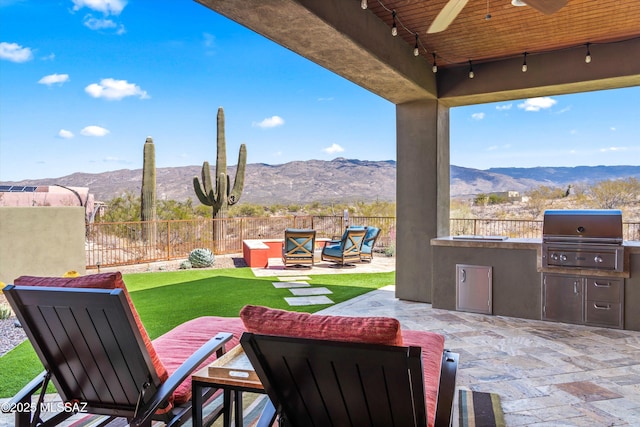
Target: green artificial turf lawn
column 167, row 299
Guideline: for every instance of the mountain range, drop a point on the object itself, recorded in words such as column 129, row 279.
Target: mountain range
column 338, row 180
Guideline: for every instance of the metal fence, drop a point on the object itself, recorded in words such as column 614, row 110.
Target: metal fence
column 123, row 243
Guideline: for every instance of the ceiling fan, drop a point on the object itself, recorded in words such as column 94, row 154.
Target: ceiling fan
column 454, row 7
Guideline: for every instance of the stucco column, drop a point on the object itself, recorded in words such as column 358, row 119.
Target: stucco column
column 422, row 194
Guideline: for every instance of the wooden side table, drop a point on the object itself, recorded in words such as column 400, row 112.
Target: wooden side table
column 233, row 374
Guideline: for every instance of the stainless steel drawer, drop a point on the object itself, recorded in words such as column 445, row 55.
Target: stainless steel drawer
column 604, row 289
column 602, row 313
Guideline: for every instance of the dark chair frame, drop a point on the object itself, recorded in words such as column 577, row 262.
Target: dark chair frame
column 92, row 350
column 318, row 382
column 298, row 255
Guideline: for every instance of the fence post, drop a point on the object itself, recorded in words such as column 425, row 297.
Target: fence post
column 168, row 240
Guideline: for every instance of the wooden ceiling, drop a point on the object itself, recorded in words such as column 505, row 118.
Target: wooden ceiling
column 511, row 30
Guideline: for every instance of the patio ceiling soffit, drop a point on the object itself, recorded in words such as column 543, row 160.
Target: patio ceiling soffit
column 355, row 44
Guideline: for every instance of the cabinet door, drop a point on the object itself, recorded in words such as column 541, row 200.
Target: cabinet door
column 474, row 288
column 563, row 298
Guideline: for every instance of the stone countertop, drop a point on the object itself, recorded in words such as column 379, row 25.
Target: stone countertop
column 631, row 246
column 493, row 242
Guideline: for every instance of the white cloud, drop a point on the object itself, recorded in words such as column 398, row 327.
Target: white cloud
column 537, row 104
column 326, row 99
column 477, row 116
column 15, row 53
column 112, row 89
column 49, row 57
column 54, row 79
column 606, row 149
column 94, row 131
column 269, row 122
column 504, row 107
column 334, row 148
column 66, row 134
column 107, row 7
column 492, row 148
column 209, row 40
column 97, row 23
column 612, row 129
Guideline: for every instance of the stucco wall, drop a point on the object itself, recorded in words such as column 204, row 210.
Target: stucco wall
column 41, row 241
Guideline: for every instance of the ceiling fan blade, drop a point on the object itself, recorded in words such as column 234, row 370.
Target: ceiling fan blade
column 546, row 6
column 446, row 16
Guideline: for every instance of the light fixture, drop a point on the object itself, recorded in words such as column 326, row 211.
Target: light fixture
column 518, row 3
column 524, row 63
column 363, row 4
column 416, row 50
column 471, row 73
column 587, row 58
column 394, row 27
column 435, row 66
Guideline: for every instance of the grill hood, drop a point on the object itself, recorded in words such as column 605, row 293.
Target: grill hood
column 582, row 226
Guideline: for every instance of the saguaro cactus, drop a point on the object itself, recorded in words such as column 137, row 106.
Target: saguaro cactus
column 148, row 192
column 223, row 194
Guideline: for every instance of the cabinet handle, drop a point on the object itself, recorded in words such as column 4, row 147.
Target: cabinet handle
column 464, row 276
column 601, row 307
column 575, row 287
column 601, row 285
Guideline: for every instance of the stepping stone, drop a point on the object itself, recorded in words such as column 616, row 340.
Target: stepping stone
column 296, row 301
column 294, row 278
column 285, row 285
column 310, row 291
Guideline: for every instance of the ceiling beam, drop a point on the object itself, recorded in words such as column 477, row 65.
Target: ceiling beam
column 613, row 65
column 339, row 36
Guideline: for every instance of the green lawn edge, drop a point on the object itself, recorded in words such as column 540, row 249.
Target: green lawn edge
column 167, row 299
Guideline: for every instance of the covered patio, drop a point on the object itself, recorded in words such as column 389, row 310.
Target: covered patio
column 357, row 44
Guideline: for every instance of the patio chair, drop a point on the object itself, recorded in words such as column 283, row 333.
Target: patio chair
column 93, row 347
column 328, row 370
column 298, row 248
column 366, row 252
column 319, row 382
column 345, row 251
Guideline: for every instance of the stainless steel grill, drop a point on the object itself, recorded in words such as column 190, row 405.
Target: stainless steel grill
column 590, row 239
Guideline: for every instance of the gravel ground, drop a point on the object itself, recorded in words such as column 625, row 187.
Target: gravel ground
column 11, row 336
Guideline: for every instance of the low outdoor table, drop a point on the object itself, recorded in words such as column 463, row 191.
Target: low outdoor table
column 232, row 373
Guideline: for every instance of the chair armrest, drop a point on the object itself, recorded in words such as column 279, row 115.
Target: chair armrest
column 168, row 387
column 27, row 391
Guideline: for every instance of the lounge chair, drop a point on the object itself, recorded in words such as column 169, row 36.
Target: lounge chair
column 366, row 252
column 93, row 347
column 345, row 251
column 298, row 248
column 349, row 371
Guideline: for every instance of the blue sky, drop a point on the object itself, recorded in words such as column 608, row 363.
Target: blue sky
column 84, row 82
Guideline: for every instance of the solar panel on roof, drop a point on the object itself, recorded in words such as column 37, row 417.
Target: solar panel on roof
column 18, row 188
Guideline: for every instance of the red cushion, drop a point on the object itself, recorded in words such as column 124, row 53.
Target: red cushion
column 177, row 345
column 432, row 345
column 271, row 321
column 100, row 281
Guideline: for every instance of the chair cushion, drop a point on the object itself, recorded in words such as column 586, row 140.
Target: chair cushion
column 432, row 345
column 175, row 346
column 100, row 281
column 367, row 243
column 270, row 321
column 333, row 250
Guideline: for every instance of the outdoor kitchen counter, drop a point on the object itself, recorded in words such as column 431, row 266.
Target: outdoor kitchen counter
column 516, row 270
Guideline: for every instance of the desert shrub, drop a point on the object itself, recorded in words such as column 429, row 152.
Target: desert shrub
column 201, row 257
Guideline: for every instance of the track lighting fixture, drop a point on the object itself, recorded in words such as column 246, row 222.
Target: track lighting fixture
column 434, row 68
column 587, row 58
column 416, row 50
column 363, row 4
column 471, row 73
column 394, row 27
column 524, row 63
